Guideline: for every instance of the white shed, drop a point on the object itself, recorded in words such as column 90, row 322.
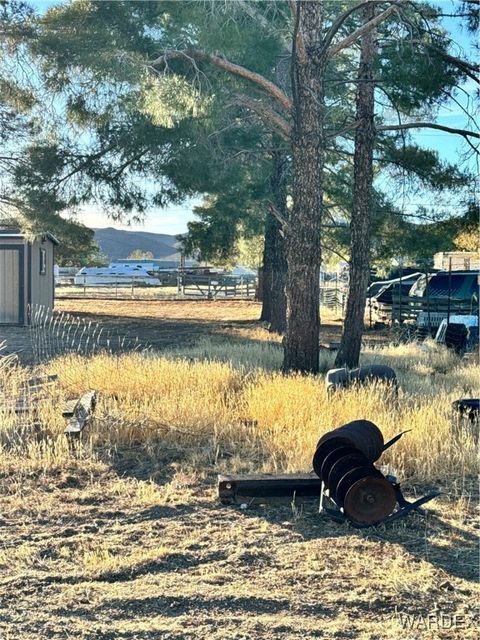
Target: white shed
column 26, row 274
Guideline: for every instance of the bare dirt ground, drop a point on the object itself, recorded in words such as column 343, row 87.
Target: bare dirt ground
column 102, row 554
column 163, row 324
column 168, row 323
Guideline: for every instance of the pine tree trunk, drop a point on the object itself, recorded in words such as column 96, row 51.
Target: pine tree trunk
column 278, row 316
column 349, row 351
column 301, row 343
column 267, row 269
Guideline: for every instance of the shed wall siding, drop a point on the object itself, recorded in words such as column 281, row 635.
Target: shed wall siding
column 42, row 286
column 21, row 283
column 12, row 270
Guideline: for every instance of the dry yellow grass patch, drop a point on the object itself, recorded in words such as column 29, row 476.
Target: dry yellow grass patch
column 214, row 400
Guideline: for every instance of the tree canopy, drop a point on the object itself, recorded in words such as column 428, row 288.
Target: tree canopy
column 139, row 105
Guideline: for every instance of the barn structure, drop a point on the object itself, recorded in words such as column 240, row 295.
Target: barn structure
column 26, row 274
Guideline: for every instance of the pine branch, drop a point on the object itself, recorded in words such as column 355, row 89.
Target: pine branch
column 428, row 125
column 235, row 69
column 338, row 23
column 371, row 24
column 265, row 114
column 350, row 127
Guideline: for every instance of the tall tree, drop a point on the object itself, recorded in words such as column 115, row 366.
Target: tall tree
column 360, row 224
column 275, row 235
column 311, row 47
column 123, row 45
column 361, row 221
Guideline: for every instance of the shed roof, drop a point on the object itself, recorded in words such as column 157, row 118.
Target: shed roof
column 6, row 232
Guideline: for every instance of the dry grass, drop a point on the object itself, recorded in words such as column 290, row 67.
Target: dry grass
column 125, row 539
column 214, row 398
column 194, row 310
column 112, row 293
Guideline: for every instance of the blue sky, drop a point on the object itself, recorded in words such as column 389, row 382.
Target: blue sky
column 173, row 219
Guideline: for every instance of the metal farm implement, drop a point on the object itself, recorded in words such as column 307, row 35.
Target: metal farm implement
column 350, row 487
column 77, row 412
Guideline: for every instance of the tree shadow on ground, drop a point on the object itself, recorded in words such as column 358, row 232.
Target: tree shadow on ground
column 420, row 535
column 428, row 537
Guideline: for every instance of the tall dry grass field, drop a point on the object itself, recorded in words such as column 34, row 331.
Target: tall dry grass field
column 123, row 537
column 228, row 408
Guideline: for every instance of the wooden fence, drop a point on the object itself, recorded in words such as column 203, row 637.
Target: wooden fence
column 212, row 287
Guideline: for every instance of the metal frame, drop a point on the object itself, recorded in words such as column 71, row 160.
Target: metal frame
column 404, row 507
column 309, row 485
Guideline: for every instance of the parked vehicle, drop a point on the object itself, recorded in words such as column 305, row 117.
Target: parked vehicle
column 433, row 297
column 461, row 285
column 382, row 295
column 116, row 275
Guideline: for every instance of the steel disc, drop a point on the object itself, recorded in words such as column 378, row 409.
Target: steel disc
column 370, row 500
column 351, row 477
column 361, row 434
column 342, row 467
column 324, row 449
column 332, row 458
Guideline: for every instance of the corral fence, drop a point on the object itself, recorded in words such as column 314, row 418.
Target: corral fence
column 431, row 310
column 427, row 312
column 333, row 298
column 173, row 285
column 112, row 288
column 53, row 334
column 213, row 286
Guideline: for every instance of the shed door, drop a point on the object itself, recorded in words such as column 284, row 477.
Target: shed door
column 11, row 285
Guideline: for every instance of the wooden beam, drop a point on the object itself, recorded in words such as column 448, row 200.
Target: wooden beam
column 267, row 486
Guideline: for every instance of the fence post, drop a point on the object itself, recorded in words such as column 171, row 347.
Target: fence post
column 427, row 292
column 336, row 292
column 449, row 289
column 400, row 301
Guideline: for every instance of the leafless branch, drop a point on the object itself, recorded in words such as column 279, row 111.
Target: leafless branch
column 337, row 24
column 428, row 125
column 350, row 127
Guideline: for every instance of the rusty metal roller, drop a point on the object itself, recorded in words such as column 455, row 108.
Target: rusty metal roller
column 344, row 462
column 369, row 500
column 363, row 492
column 362, row 435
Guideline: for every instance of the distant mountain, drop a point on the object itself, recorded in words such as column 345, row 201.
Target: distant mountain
column 118, row 244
